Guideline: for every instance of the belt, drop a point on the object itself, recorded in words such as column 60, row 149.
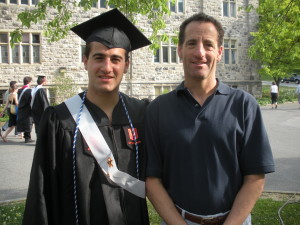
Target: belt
column 203, row 221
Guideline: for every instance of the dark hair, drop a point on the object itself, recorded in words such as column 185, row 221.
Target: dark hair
column 88, row 50
column 273, row 83
column 13, row 85
column 40, row 80
column 27, row 80
column 201, row 17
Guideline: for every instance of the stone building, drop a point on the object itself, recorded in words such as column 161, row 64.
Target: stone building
column 151, row 74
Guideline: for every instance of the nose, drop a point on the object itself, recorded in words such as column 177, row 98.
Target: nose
column 200, row 50
column 107, row 66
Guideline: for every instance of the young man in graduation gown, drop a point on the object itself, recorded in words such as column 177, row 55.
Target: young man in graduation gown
column 39, row 101
column 24, row 123
column 93, row 174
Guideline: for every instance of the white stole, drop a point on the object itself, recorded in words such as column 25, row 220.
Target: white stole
column 33, row 92
column 101, row 150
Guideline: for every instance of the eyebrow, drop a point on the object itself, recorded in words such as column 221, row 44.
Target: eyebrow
column 104, row 55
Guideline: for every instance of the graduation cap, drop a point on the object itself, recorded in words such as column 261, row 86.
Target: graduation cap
column 40, row 75
column 113, row 30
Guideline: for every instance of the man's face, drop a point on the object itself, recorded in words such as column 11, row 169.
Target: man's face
column 105, row 68
column 200, row 51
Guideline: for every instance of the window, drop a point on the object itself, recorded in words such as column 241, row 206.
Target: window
column 230, row 51
column 26, row 52
column 177, row 6
column 20, row 2
column 3, row 47
column 167, row 53
column 229, row 8
column 163, row 89
column 103, row 4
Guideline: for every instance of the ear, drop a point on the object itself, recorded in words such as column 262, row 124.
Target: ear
column 84, row 60
column 126, row 66
column 220, row 53
column 179, row 51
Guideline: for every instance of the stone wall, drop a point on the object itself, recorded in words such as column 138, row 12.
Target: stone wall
column 145, row 74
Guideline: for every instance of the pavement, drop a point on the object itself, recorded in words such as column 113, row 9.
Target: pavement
column 282, row 124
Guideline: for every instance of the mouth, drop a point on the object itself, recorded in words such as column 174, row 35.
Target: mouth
column 196, row 63
column 105, row 77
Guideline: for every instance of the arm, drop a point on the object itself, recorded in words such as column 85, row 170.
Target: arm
column 1, row 114
column 162, row 202
column 246, row 198
column 16, row 99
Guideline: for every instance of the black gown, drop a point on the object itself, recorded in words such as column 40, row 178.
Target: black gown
column 39, row 105
column 50, row 198
column 24, row 123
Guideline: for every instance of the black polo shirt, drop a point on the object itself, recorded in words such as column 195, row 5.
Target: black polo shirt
column 201, row 153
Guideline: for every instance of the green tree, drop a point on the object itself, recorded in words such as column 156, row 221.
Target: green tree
column 276, row 44
column 59, row 25
column 64, row 88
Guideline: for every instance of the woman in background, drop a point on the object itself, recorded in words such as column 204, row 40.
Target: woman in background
column 274, row 94
column 12, row 100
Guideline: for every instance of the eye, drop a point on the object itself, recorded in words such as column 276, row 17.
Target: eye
column 116, row 59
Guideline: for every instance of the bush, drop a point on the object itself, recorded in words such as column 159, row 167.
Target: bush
column 286, row 94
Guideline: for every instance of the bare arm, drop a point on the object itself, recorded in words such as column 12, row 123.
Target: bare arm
column 246, row 199
column 16, row 99
column 162, row 202
column 1, row 114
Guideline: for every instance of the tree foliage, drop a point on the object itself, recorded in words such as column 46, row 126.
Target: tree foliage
column 276, row 44
column 57, row 24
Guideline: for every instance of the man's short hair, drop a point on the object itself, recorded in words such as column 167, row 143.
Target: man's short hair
column 27, row 80
column 201, row 17
column 40, row 80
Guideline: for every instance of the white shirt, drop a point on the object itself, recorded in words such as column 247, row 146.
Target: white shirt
column 274, row 89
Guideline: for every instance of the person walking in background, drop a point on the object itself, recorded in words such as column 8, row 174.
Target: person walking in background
column 24, row 112
column 39, row 101
column 12, row 100
column 89, row 161
column 274, row 95
column 298, row 93
column 5, row 99
column 207, row 147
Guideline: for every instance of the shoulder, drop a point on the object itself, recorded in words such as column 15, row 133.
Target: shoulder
column 60, row 115
column 134, row 102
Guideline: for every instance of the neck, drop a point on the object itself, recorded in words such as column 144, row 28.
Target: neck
column 105, row 101
column 201, row 90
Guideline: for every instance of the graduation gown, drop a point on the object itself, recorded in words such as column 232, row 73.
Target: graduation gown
column 24, row 121
column 50, row 198
column 39, row 105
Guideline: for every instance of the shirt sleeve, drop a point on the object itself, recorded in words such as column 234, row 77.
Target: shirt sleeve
column 256, row 155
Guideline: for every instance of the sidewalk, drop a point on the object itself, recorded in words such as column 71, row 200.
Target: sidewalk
column 282, row 124
column 283, row 127
column 15, row 164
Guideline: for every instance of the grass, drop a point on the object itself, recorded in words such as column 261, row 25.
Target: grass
column 265, row 212
column 286, row 94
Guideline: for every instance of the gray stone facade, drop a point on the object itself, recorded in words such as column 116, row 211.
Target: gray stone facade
column 146, row 77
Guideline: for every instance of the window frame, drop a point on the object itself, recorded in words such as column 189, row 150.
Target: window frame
column 19, row 2
column 16, row 55
column 230, row 49
column 162, row 88
column 176, row 6
column 159, row 54
column 232, row 14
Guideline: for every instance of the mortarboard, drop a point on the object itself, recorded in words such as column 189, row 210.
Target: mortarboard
column 113, row 30
column 40, row 75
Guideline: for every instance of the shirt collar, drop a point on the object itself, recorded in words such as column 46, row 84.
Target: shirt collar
column 222, row 88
